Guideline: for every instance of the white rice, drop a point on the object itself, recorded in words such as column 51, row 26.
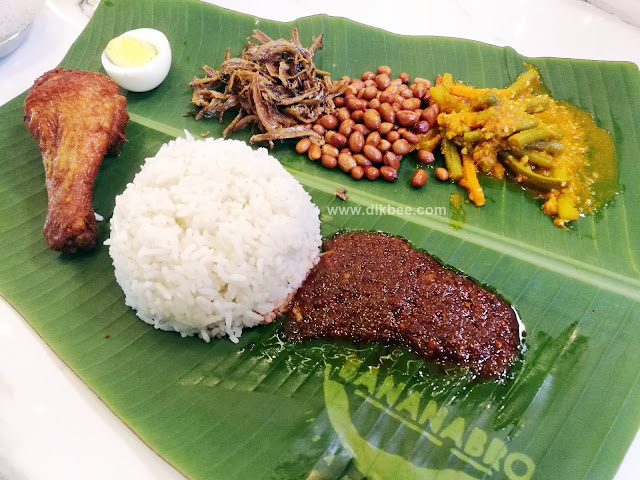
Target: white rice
column 212, row 236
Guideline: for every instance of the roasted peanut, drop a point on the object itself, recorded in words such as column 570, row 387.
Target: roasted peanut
column 393, row 136
column 387, row 97
column 383, row 81
column 362, row 129
column 314, row 152
column 406, row 93
column 319, row 129
column 384, row 145
column 390, row 159
column 373, row 139
column 328, row 161
column 371, row 172
column 387, row 113
column 421, row 90
column 425, row 156
column 303, row 145
column 411, row 137
column 370, row 92
column 350, row 91
column 385, row 127
column 361, row 160
column 367, row 76
column 357, row 115
column 371, row 119
column 421, row 127
column 330, row 150
column 328, row 121
column 346, row 162
column 420, row 80
column 401, row 147
column 372, row 153
column 377, row 120
column 355, row 103
column 336, row 139
column 346, row 127
column 430, row 114
column 357, row 172
column 374, row 103
column 388, row 173
column 442, row 174
column 343, row 113
column 357, row 84
column 411, row 104
column 419, row 178
column 407, row 118
column 356, row 141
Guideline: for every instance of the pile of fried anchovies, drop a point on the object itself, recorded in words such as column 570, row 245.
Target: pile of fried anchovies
column 275, row 86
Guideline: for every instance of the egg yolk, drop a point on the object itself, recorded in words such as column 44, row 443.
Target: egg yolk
column 129, row 51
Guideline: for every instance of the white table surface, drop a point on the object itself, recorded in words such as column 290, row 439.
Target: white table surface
column 51, row 425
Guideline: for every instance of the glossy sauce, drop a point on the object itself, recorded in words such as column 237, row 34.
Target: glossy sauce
column 588, row 159
column 600, row 173
column 370, row 287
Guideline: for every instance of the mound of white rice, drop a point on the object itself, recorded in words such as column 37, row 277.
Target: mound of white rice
column 212, row 236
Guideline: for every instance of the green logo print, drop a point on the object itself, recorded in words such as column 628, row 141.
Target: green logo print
column 475, row 447
column 373, row 462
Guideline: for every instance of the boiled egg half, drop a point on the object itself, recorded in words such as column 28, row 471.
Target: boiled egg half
column 138, row 60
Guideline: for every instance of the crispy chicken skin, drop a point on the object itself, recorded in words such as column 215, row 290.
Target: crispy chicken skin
column 77, row 117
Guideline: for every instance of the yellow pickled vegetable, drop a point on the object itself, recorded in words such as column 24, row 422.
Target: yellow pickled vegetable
column 470, row 181
column 542, row 142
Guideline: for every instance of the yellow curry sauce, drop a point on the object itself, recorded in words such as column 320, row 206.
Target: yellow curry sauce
column 550, row 147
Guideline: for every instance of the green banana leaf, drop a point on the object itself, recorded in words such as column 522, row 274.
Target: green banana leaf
column 265, row 409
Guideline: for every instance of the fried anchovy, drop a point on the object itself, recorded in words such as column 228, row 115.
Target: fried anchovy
column 275, row 85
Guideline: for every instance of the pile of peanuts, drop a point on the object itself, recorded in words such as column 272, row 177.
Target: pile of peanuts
column 375, row 124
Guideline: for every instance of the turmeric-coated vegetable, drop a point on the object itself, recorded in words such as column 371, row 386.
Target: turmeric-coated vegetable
column 525, row 137
column 470, row 181
column 452, row 159
column 544, row 143
column 530, row 178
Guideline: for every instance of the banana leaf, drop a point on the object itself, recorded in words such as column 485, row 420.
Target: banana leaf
column 266, row 409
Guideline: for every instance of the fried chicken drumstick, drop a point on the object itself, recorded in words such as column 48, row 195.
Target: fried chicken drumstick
column 77, row 117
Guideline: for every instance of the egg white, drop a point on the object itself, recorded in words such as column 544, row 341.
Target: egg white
column 145, row 77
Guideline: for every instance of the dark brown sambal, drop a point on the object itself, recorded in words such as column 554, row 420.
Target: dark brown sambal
column 370, row 287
